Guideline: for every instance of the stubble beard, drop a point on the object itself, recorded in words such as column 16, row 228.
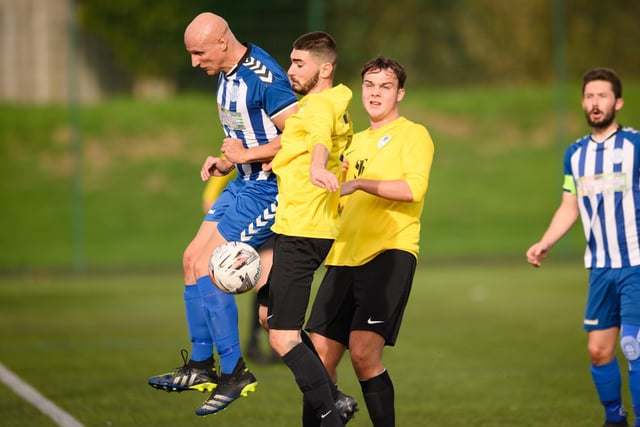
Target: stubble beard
column 604, row 122
column 303, row 89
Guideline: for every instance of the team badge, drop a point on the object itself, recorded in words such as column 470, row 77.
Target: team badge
column 618, row 155
column 384, row 141
column 233, row 94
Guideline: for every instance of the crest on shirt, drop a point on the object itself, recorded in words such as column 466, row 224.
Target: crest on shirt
column 233, row 93
column 618, row 156
column 384, row 141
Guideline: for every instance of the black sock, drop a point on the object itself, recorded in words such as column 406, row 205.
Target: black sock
column 309, row 416
column 378, row 395
column 306, row 339
column 311, row 378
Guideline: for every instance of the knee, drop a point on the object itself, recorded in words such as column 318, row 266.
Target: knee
column 188, row 261
column 600, row 355
column 363, row 363
column 275, row 343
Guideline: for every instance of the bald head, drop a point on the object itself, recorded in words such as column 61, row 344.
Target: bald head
column 205, row 26
column 211, row 44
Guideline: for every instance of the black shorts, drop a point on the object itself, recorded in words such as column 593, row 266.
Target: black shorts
column 369, row 297
column 295, row 261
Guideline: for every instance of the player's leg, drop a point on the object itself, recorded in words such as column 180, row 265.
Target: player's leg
column 294, row 264
column 248, row 218
column 197, row 372
column 629, row 290
column 601, row 321
column 259, row 325
column 376, row 323
column 330, row 324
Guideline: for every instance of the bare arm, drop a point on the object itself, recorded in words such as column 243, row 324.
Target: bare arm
column 215, row 166
column 235, row 152
column 564, row 218
column 396, row 189
column 318, row 173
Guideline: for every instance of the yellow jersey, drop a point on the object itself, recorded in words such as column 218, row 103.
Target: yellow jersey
column 370, row 224
column 305, row 210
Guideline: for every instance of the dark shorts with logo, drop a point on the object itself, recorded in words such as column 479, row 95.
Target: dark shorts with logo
column 295, row 261
column 370, row 297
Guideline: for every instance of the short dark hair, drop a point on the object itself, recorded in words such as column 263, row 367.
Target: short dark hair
column 606, row 74
column 385, row 63
column 320, row 44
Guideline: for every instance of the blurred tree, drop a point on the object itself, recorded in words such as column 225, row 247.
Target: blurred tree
column 439, row 41
column 144, row 39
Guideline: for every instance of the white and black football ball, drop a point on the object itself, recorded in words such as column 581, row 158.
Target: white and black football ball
column 235, row 267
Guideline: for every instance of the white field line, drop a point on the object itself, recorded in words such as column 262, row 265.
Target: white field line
column 32, row 396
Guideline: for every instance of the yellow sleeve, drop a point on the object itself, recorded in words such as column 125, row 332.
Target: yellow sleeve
column 417, row 159
column 214, row 187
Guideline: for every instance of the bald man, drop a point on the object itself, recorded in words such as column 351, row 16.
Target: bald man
column 254, row 99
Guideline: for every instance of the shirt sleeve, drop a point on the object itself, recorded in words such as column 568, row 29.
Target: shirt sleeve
column 319, row 119
column 417, row 160
column 277, row 97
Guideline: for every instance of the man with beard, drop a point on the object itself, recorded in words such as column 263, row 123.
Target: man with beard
column 602, row 187
column 308, row 169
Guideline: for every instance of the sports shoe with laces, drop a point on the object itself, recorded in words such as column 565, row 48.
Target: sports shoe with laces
column 230, row 387
column 187, row 377
column 346, row 406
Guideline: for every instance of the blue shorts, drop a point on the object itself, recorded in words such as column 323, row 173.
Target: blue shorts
column 245, row 211
column 614, row 298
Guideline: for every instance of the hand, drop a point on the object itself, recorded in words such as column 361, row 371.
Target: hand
column 323, row 178
column 536, row 253
column 345, row 164
column 233, row 150
column 215, row 166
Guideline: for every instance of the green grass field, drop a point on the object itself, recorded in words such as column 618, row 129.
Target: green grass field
column 482, row 345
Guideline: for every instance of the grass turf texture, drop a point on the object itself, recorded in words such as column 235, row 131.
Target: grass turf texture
column 493, row 345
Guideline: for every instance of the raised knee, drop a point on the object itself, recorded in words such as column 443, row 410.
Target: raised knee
column 188, row 261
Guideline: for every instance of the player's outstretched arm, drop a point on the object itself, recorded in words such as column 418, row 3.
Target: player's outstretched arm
column 318, row 174
column 564, row 218
column 234, row 151
column 396, row 189
column 215, row 166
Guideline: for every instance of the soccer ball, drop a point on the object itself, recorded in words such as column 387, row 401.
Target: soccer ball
column 235, row 267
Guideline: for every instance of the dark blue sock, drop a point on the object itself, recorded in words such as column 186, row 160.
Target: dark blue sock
column 634, row 386
column 608, row 382
column 222, row 319
column 201, row 341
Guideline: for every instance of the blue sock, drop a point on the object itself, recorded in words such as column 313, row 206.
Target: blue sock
column 201, row 341
column 608, row 382
column 630, row 347
column 634, row 386
column 222, row 319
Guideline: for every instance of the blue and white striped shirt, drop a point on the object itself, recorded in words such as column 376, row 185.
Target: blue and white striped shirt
column 605, row 176
column 249, row 96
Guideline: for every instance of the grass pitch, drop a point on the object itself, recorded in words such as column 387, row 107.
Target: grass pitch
column 486, row 346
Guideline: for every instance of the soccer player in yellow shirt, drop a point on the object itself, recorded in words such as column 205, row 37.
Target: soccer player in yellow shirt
column 307, row 167
column 370, row 267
